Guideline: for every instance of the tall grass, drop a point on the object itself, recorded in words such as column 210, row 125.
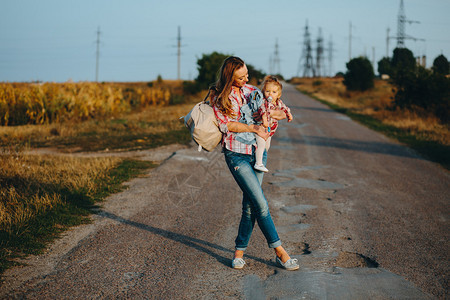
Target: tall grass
column 44, row 103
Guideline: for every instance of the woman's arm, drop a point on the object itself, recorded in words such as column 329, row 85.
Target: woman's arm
column 241, row 127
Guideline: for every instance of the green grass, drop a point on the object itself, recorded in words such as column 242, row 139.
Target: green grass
column 33, row 236
column 430, row 150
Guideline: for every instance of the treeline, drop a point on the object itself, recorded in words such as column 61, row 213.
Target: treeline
column 416, row 88
column 208, row 68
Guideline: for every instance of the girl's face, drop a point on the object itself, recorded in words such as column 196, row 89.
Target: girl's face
column 272, row 90
column 240, row 77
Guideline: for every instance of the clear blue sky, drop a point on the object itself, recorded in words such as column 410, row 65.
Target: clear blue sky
column 55, row 40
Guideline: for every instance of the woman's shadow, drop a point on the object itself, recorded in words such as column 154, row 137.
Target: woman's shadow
column 192, row 242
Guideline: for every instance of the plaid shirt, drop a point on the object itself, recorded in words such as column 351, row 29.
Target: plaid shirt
column 267, row 106
column 229, row 138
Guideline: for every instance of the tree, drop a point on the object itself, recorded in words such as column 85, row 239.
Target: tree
column 384, row 66
column 403, row 64
column 254, row 75
column 208, row 68
column 359, row 76
column 441, row 65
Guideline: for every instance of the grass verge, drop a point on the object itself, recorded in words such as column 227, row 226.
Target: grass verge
column 36, row 209
column 150, row 128
column 430, row 149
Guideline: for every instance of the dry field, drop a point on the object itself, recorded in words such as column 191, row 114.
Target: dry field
column 376, row 103
column 43, row 103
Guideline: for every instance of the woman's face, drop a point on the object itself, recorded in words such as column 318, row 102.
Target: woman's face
column 240, row 77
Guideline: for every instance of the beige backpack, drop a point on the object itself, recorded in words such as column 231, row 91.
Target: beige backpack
column 202, row 123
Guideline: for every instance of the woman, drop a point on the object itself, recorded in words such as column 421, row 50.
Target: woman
column 229, row 94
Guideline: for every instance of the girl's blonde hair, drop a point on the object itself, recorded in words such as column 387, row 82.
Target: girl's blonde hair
column 273, row 80
column 222, row 88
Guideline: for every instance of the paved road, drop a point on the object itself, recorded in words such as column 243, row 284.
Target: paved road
column 365, row 216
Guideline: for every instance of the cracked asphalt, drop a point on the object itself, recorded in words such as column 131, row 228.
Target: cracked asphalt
column 366, row 217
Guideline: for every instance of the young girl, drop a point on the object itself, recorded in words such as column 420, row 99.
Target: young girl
column 271, row 89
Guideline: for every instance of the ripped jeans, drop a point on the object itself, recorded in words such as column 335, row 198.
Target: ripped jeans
column 254, row 203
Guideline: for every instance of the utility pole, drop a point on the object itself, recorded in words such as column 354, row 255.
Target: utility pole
column 276, row 60
column 387, row 41
column 373, row 58
column 97, row 54
column 306, row 57
column 270, row 64
column 350, row 42
column 179, row 52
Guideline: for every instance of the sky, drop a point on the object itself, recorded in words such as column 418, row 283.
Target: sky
column 56, row 40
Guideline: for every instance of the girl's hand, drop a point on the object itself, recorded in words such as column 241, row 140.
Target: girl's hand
column 289, row 117
column 261, row 131
column 257, row 117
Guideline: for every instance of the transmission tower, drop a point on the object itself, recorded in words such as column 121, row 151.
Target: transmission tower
column 319, row 54
column 306, row 59
column 97, row 54
column 276, row 60
column 330, row 56
column 401, row 20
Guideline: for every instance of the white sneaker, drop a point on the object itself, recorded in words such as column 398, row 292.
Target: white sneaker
column 260, row 168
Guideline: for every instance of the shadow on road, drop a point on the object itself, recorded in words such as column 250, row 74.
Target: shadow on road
column 354, row 145
column 184, row 239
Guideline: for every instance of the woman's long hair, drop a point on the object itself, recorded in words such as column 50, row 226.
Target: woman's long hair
column 222, row 88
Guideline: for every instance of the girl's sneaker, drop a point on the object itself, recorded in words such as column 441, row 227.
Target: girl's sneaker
column 260, row 168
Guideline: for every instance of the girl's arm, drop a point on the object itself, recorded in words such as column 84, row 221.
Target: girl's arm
column 241, row 127
column 277, row 114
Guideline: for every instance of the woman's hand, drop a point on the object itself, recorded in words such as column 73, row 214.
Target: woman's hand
column 261, row 131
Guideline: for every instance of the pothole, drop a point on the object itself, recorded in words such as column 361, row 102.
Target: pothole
column 354, row 260
column 304, row 248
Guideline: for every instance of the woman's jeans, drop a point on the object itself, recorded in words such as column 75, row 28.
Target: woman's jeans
column 254, row 203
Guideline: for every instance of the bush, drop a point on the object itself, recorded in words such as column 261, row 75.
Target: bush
column 425, row 90
column 359, row 76
column 191, row 87
column 384, row 66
